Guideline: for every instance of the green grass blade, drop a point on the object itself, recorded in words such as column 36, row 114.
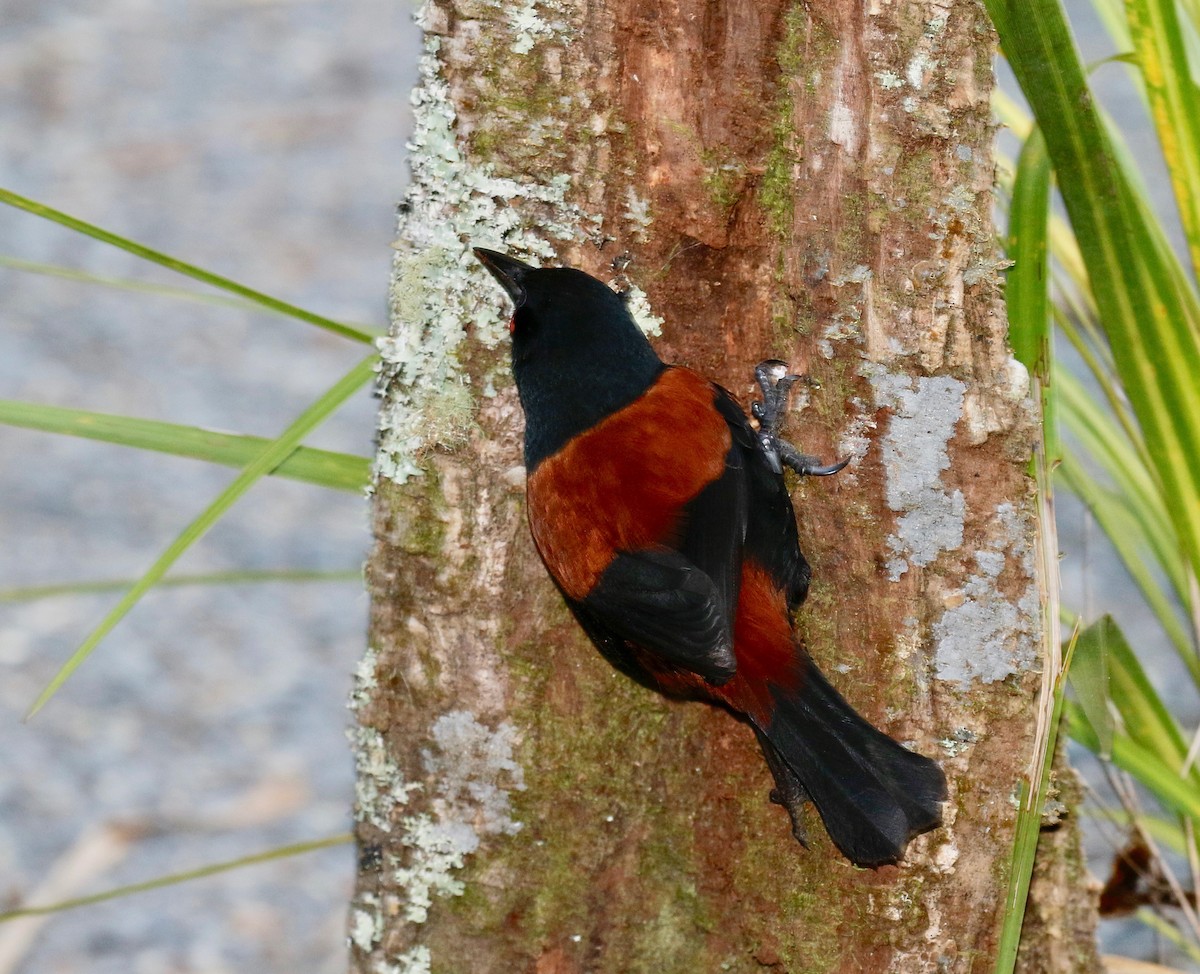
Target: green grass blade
column 1168, row 931
column 283, row 852
column 1126, row 533
column 33, row 593
column 1134, row 515
column 1173, row 792
column 1035, row 782
column 341, row 471
column 184, row 268
column 1145, row 717
column 1157, row 36
column 1149, row 743
column 1093, row 689
column 1027, row 289
column 1031, row 800
column 144, row 287
column 1148, row 309
column 267, row 460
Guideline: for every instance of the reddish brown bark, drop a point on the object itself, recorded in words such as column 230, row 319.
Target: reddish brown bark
column 807, row 183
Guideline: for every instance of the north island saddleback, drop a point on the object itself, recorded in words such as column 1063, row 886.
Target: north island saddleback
column 663, row 517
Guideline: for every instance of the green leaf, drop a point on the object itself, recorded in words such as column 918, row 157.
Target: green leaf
column 32, row 593
column 264, row 462
column 283, row 852
column 1089, row 680
column 1158, row 39
column 1027, row 291
column 1145, row 718
column 1147, row 305
column 1031, row 800
column 184, row 268
column 1147, row 767
column 1148, row 743
column 341, row 471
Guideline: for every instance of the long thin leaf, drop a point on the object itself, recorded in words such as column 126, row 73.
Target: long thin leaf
column 268, row 459
column 1035, row 783
column 145, row 287
column 342, row 471
column 1146, row 766
column 283, row 852
column 1149, row 311
column 1124, row 531
column 183, row 267
column 1157, row 36
column 32, row 593
column 1027, row 290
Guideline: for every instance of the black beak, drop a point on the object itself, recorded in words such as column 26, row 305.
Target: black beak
column 507, row 270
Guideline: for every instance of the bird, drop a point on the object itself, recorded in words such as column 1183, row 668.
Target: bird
column 662, row 514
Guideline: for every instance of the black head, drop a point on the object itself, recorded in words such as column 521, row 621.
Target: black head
column 578, row 356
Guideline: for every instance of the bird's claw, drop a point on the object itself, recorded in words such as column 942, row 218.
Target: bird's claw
column 776, row 383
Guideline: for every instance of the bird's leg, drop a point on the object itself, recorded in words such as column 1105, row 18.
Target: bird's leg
column 776, row 385
column 788, row 791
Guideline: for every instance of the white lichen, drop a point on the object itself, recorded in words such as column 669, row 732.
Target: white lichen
column 528, row 26
column 365, row 681
column 419, row 960
column 380, row 786
column 983, row 635
column 637, row 212
column 438, row 290
column 437, row 849
column 925, row 411
column 918, row 66
column 472, row 774
column 364, row 925
column 638, row 305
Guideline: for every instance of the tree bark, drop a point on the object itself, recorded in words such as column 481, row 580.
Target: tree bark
column 812, row 184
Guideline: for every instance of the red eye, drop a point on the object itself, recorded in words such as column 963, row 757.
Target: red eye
column 512, row 324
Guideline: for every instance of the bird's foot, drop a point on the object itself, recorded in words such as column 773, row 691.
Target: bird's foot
column 794, row 803
column 776, row 385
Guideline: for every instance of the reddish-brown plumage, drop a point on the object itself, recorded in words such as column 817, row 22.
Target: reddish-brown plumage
column 621, row 485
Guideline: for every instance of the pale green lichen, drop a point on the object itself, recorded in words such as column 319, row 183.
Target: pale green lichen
column 528, row 26
column 638, row 305
column 365, row 679
column 438, row 289
column 419, row 960
column 380, row 785
column 364, row 925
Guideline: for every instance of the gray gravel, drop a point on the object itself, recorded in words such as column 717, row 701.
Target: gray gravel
column 263, row 141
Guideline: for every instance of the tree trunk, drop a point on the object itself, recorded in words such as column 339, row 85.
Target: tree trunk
column 780, row 181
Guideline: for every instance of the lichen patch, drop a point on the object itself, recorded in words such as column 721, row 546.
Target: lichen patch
column 925, row 411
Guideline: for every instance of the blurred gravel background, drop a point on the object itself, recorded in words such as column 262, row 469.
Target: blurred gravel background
column 265, row 141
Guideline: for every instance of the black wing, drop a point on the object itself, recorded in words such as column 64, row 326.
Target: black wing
column 770, row 537
column 660, row 601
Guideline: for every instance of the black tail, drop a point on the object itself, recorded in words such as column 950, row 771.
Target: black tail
column 873, row 794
